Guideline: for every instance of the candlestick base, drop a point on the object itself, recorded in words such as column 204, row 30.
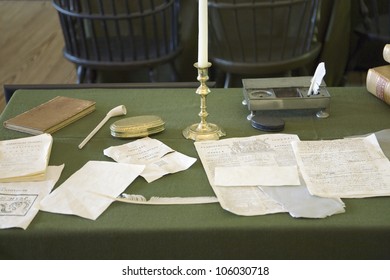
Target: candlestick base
column 199, row 132
column 203, row 130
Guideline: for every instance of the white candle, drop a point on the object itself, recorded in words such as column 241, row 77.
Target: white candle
column 203, row 34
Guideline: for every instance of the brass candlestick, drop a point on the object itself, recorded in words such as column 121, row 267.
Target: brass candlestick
column 203, row 130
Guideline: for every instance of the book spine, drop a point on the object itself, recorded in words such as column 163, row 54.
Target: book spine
column 378, row 85
column 386, row 53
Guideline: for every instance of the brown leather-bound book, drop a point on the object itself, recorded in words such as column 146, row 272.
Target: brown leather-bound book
column 378, row 82
column 51, row 116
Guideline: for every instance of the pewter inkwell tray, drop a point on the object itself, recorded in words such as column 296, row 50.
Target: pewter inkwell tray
column 288, row 93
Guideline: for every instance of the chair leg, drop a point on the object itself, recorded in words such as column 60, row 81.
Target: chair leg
column 80, row 74
column 175, row 74
column 90, row 76
column 228, row 79
column 86, row 75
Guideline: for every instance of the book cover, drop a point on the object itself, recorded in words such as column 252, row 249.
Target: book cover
column 378, row 82
column 51, row 116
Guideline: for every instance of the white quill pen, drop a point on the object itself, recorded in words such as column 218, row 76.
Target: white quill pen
column 317, row 79
column 140, row 199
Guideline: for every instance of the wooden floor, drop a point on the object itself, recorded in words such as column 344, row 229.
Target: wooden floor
column 31, row 46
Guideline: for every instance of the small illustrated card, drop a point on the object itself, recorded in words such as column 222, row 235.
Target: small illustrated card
column 19, row 201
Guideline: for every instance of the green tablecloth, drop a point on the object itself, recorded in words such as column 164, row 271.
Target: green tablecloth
column 126, row 231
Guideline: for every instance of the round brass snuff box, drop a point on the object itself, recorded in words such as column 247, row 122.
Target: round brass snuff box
column 136, row 127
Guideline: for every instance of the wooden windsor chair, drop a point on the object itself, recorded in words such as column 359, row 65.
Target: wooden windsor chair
column 263, row 37
column 123, row 35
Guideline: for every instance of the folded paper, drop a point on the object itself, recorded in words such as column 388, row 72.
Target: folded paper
column 158, row 158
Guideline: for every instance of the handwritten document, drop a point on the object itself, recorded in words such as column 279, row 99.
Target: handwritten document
column 25, row 159
column 158, row 158
column 345, row 168
column 19, row 201
column 87, row 192
column 264, row 151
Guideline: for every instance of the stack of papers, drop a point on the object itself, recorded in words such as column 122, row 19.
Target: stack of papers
column 25, row 159
column 25, row 178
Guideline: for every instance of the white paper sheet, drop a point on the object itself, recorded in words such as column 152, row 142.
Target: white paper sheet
column 256, row 176
column 25, row 159
column 19, row 201
column 158, row 158
column 345, row 168
column 77, row 195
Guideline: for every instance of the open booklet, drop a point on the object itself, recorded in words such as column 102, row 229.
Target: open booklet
column 25, row 159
